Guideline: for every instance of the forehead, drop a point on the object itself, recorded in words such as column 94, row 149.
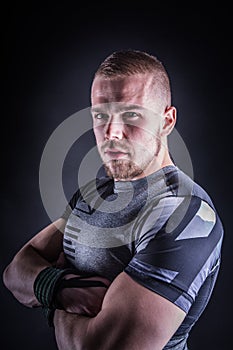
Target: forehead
column 130, row 89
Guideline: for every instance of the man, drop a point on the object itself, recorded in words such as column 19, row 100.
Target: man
column 141, row 248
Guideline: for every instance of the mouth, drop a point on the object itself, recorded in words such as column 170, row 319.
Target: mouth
column 115, row 154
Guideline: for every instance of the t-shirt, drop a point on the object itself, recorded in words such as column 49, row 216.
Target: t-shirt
column 162, row 230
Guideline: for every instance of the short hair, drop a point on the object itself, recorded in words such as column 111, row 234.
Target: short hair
column 130, row 62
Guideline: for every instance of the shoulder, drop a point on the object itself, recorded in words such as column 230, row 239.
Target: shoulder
column 196, row 201
column 183, row 185
column 181, row 206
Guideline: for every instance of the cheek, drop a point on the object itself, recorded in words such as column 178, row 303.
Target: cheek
column 142, row 135
column 99, row 134
column 145, row 144
column 144, row 130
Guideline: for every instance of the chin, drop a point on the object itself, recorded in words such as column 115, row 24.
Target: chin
column 122, row 170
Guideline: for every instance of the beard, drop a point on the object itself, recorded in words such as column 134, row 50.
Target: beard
column 124, row 169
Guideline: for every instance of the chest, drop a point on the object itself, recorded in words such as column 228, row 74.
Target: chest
column 100, row 233
column 98, row 243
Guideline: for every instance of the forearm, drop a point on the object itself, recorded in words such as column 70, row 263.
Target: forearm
column 90, row 333
column 102, row 332
column 20, row 274
column 106, row 331
column 70, row 330
column 41, row 251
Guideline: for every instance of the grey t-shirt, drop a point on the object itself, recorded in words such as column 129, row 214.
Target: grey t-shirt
column 162, row 230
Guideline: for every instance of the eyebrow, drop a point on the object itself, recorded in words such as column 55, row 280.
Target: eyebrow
column 119, row 108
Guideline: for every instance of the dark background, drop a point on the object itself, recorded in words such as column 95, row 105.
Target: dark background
column 49, row 56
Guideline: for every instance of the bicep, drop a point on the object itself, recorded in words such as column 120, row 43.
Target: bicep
column 133, row 316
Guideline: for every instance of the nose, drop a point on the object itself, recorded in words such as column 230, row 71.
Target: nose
column 114, row 130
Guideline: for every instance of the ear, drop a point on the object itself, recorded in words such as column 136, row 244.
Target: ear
column 169, row 120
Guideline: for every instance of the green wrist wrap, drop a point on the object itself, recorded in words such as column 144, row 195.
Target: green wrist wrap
column 50, row 280
column 47, row 283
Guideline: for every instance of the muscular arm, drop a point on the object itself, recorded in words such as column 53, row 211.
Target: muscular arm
column 132, row 317
column 40, row 252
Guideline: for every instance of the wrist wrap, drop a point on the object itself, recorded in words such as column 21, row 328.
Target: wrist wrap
column 47, row 283
column 50, row 280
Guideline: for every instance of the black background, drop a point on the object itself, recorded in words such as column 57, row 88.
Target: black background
column 49, row 56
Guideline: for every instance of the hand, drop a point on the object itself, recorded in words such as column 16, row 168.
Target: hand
column 83, row 301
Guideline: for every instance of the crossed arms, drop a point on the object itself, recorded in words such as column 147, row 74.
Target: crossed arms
column 126, row 315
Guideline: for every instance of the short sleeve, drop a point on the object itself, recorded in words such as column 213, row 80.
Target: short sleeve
column 178, row 249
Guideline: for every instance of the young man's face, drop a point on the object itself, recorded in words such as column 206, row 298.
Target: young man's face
column 127, row 122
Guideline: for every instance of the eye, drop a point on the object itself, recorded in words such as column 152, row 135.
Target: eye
column 101, row 116
column 131, row 115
